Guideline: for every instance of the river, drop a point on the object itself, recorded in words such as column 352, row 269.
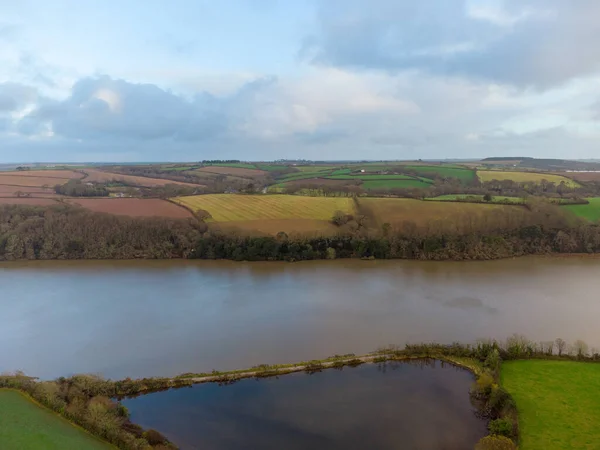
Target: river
column 396, row 405
column 151, row 318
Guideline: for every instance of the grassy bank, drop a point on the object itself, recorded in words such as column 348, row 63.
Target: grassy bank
column 558, row 403
column 25, row 425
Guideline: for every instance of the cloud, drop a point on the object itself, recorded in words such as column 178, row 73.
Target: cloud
column 538, row 43
column 14, row 96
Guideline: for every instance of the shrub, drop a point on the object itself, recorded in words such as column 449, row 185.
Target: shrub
column 495, row 443
column 501, row 427
column 154, row 437
column 483, row 385
column 500, row 401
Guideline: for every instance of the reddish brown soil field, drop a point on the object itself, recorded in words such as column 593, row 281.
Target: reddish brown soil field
column 135, row 207
column 44, row 174
column 239, row 171
column 582, row 176
column 27, row 201
column 28, row 181
column 101, row 177
column 9, row 191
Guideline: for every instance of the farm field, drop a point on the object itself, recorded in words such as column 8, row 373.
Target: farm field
column 387, row 183
column 134, row 207
column 590, row 211
column 232, row 207
column 10, row 191
column 364, row 177
column 98, row 176
column 29, row 181
column 463, row 174
column 237, row 171
column 27, row 426
column 583, row 176
column 477, row 198
column 558, row 403
column 27, row 201
column 523, row 177
column 397, row 210
column 68, row 174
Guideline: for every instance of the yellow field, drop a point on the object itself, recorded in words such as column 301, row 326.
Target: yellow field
column 523, row 177
column 233, row 208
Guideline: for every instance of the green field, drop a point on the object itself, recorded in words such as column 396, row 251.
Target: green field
column 387, row 183
column 270, row 167
column 558, row 403
column 315, row 168
column 364, row 177
column 302, row 176
column 590, row 211
column 26, row 426
column 464, row 175
column 478, row 198
column 237, row 165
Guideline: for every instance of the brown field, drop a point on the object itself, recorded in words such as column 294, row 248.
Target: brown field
column 28, row 181
column 9, row 191
column 239, row 171
column 524, row 177
column 27, row 201
column 305, row 227
column 582, row 176
column 45, row 174
column 99, row 176
column 397, row 211
column 134, row 207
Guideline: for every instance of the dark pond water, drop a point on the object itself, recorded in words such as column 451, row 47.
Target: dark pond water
column 153, row 318
column 391, row 406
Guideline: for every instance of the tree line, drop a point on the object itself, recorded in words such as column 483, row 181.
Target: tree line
column 67, row 232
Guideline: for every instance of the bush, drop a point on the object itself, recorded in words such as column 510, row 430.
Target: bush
column 500, row 401
column 495, row 443
column 154, row 437
column 501, row 427
column 483, row 385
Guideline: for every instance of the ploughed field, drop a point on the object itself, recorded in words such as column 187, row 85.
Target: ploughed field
column 558, row 403
column 27, row 426
column 134, row 207
column 99, row 176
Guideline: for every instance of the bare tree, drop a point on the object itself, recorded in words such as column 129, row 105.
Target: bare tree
column 581, row 348
column 560, row 346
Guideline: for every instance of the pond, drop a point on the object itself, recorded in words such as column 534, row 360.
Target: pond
column 416, row 405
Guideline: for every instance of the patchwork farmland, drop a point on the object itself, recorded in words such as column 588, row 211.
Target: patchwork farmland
column 524, row 177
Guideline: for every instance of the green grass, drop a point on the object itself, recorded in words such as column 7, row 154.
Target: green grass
column 341, row 172
column 270, row 167
column 315, row 168
column 464, row 175
column 302, row 176
column 26, row 426
column 364, row 177
column 238, row 165
column 478, row 198
column 397, row 183
column 558, row 403
column 590, row 211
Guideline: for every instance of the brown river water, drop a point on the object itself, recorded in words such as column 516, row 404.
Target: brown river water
column 152, row 318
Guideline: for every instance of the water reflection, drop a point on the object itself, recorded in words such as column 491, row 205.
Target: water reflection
column 396, row 405
column 123, row 318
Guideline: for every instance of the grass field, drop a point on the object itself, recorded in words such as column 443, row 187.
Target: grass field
column 370, row 177
column 590, row 211
column 464, row 175
column 26, row 426
column 302, row 176
column 231, row 207
column 100, row 176
column 558, row 403
column 523, row 177
column 230, row 170
column 387, row 183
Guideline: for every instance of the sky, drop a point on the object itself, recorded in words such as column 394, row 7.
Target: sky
column 187, row 80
